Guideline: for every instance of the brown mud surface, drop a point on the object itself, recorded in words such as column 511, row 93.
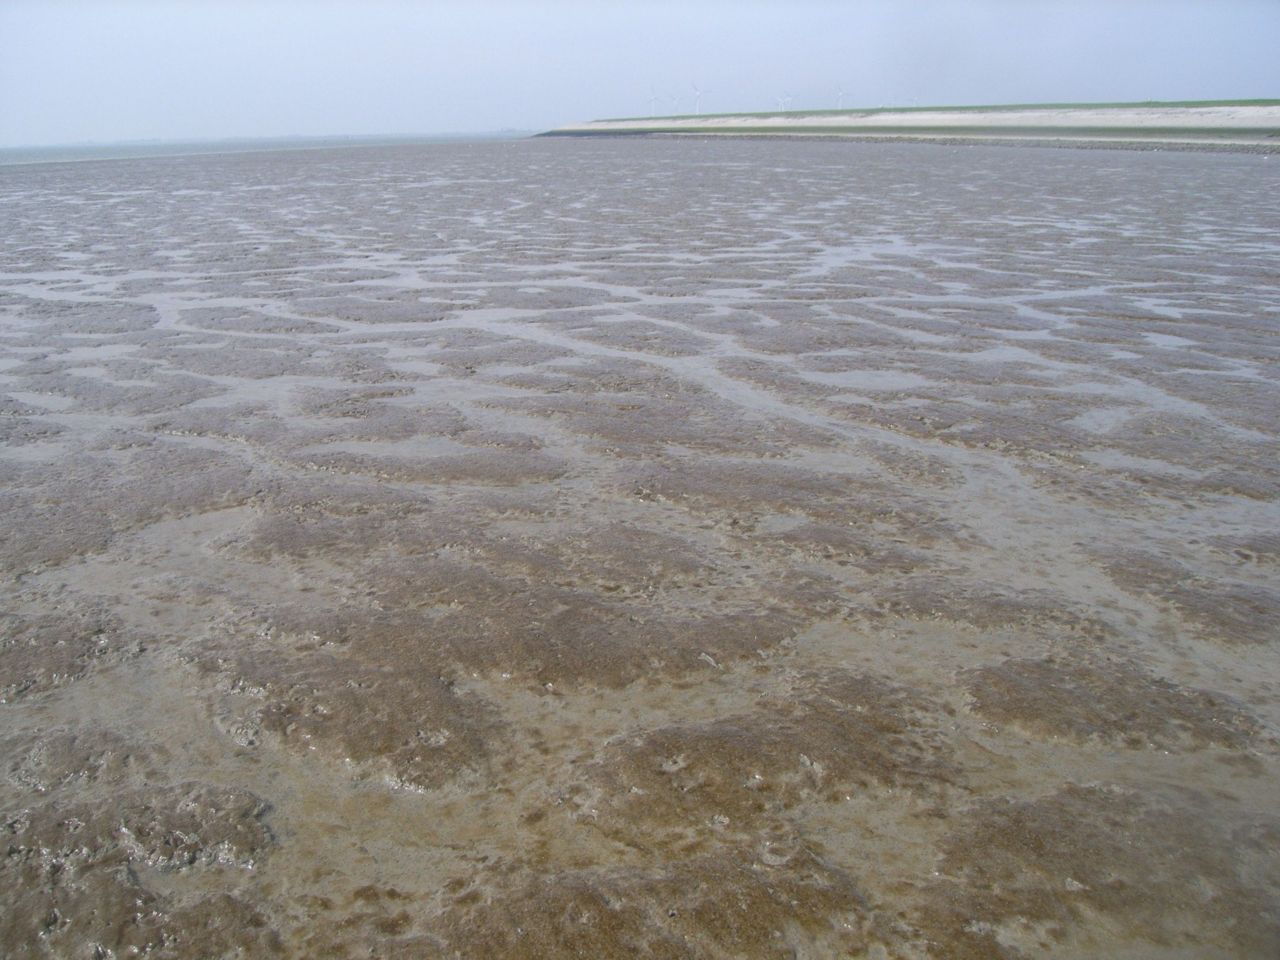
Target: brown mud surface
column 641, row 549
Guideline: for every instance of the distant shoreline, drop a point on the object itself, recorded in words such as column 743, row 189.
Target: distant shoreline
column 1251, row 126
column 149, row 149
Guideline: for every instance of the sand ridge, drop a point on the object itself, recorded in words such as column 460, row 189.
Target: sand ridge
column 1241, row 124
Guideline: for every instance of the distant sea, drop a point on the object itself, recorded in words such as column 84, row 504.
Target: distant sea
column 66, row 153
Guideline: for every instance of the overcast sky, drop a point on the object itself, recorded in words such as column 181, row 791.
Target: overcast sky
column 102, row 70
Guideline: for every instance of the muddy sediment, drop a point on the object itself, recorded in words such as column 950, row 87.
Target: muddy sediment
column 641, row 548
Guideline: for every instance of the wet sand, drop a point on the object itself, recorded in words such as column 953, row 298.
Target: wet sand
column 646, row 548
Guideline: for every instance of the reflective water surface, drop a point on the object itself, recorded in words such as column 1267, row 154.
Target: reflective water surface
column 640, row 548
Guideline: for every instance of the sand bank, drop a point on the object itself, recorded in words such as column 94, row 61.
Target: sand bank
column 1245, row 123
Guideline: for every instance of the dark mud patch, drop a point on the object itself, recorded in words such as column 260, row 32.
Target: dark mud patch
column 1091, row 864
column 749, row 491
column 554, row 634
column 634, row 333
column 87, row 501
column 1109, row 701
column 499, row 467
column 82, row 874
column 403, row 724
column 829, row 736
column 44, row 651
column 710, row 906
column 73, row 759
column 984, row 606
column 1219, row 609
column 248, row 321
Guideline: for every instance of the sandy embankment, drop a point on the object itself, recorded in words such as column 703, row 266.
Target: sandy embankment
column 1246, row 123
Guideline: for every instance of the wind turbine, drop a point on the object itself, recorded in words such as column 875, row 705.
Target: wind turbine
column 697, row 99
column 840, row 98
column 653, row 101
column 675, row 105
column 783, row 101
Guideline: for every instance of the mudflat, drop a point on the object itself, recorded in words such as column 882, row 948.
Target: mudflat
column 642, row 548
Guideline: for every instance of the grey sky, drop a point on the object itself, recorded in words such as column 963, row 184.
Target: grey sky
column 105, row 70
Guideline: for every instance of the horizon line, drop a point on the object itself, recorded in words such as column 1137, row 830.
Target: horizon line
column 510, row 132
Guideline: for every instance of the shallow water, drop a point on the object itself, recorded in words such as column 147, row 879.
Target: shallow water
column 641, row 548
